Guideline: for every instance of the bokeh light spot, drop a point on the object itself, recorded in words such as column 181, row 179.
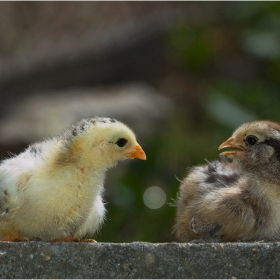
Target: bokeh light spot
column 154, row 197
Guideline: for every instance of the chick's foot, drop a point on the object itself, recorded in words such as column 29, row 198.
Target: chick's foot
column 67, row 239
column 14, row 237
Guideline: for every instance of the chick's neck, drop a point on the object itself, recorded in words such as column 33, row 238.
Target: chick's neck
column 88, row 162
column 268, row 173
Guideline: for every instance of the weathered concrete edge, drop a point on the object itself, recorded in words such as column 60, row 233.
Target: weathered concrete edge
column 139, row 260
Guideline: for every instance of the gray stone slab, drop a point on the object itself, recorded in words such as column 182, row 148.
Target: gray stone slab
column 139, row 260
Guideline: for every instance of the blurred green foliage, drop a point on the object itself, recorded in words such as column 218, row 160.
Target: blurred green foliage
column 246, row 34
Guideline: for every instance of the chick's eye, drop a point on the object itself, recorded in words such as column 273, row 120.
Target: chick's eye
column 121, row 142
column 251, row 140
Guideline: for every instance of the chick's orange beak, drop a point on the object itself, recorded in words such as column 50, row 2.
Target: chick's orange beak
column 137, row 153
column 230, row 143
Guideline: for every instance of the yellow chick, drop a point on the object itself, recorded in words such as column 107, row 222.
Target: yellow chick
column 53, row 190
column 226, row 201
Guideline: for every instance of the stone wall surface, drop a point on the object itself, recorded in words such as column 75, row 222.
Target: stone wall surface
column 139, row 260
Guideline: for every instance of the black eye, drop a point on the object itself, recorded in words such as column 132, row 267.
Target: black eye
column 251, row 140
column 121, row 142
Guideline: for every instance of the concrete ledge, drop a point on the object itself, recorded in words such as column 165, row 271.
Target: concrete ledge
column 139, row 260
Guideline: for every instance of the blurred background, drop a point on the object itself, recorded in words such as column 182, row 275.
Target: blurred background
column 182, row 75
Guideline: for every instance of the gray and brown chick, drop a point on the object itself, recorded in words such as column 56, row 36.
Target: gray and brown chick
column 53, row 190
column 238, row 200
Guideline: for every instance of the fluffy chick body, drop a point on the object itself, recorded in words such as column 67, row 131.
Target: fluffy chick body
column 239, row 200
column 53, row 190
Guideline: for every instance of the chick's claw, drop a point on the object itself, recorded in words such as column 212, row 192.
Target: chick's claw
column 89, row 240
column 35, row 238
